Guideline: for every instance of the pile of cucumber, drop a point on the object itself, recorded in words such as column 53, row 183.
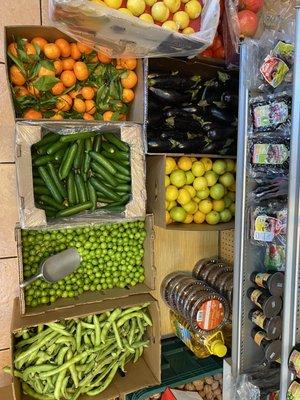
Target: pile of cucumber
column 81, row 171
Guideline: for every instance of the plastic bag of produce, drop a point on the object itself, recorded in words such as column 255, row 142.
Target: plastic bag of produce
column 121, row 35
column 68, row 171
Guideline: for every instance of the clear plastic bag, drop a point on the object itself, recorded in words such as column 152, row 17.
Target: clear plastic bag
column 29, row 133
column 120, row 35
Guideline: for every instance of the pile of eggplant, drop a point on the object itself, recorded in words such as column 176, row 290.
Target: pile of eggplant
column 188, row 114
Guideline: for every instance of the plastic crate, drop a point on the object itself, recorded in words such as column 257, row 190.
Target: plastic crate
column 178, row 366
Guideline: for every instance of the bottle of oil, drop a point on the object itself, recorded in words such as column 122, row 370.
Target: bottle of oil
column 201, row 345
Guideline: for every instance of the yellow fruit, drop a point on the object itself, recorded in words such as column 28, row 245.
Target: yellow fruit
column 212, row 218
column 160, row 12
column 190, row 189
column 193, row 159
column 167, row 180
column 178, row 178
column 113, row 3
column 189, row 177
column 137, row 7
column 196, row 199
column 178, row 214
column 150, row 2
column 191, row 207
column 171, row 205
column 183, row 197
column 173, row 5
column 170, row 25
column 198, row 168
column 184, row 163
column 199, row 217
column 200, row 183
column 188, row 31
column 205, row 206
column 182, row 19
column 203, row 193
column 218, row 205
column 125, row 11
column 147, row 18
column 193, row 9
column 166, row 204
column 207, row 163
column 168, row 218
column 171, row 193
column 189, row 219
column 170, row 165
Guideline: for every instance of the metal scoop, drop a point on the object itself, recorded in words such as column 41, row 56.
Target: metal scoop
column 56, row 267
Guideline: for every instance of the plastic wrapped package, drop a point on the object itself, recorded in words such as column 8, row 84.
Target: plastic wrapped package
column 27, row 134
column 119, row 35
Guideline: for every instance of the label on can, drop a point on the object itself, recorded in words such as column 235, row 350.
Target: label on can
column 258, row 318
column 210, row 315
column 293, row 392
column 254, row 297
column 294, row 362
column 259, row 337
column 183, row 333
column 261, row 279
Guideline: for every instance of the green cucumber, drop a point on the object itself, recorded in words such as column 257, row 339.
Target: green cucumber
column 56, row 180
column 116, row 156
column 112, row 138
column 123, row 188
column 47, row 139
column 106, row 191
column 66, row 165
column 79, row 155
column 103, row 161
column 97, row 143
column 120, row 168
column 43, row 160
column 92, row 195
column 106, row 176
column 51, row 202
column 41, row 190
column 72, row 190
column 88, row 145
column 55, row 147
column 80, row 186
column 50, row 184
column 75, row 136
column 75, row 209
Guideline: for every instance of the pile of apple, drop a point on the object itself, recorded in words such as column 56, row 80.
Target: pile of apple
column 199, row 190
column 174, row 15
column 248, row 16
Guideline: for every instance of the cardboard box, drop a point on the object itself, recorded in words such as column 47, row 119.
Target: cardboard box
column 29, row 133
column 146, row 372
column 6, row 393
column 136, row 113
column 91, row 297
column 188, row 68
column 156, row 198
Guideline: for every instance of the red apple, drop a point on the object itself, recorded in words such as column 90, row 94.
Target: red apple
column 252, row 5
column 248, row 22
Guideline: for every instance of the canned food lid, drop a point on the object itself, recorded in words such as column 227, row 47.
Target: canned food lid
column 272, row 306
column 210, row 314
column 274, row 327
column 273, row 350
column 275, row 283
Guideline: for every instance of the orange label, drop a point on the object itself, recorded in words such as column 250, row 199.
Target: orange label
column 210, row 315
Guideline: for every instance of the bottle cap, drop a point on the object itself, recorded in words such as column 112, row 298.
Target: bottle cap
column 219, row 349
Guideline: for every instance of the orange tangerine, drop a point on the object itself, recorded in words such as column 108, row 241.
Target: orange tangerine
column 74, row 93
column 58, row 65
column 128, row 95
column 31, row 113
column 83, row 48
column 81, row 70
column 41, row 42
column 90, row 106
column 21, row 91
column 32, row 90
column 30, row 49
column 16, row 76
column 128, row 63
column 12, row 48
column 45, row 72
column 58, row 88
column 102, row 57
column 107, row 115
column 79, row 105
column 130, row 80
column 75, row 53
column 64, row 103
column 68, row 78
column 68, row 64
column 88, row 117
column 87, row 92
column 52, row 51
column 64, row 46
column 122, row 117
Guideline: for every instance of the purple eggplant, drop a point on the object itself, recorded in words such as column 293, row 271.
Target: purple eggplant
column 185, row 124
column 221, row 133
column 176, row 82
column 170, row 96
column 156, row 145
column 173, row 134
column 222, row 115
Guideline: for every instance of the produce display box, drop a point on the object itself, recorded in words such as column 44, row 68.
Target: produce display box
column 197, row 66
column 146, row 372
column 136, row 113
column 178, row 367
column 29, row 133
column 91, row 297
column 156, row 197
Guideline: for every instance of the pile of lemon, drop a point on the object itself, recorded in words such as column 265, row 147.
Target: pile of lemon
column 199, row 190
column 166, row 12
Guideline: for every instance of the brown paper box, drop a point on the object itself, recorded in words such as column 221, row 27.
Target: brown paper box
column 136, row 113
column 146, row 372
column 156, row 198
column 29, row 133
column 92, row 297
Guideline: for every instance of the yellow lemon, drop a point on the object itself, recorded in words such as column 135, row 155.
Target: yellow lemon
column 182, row 19
column 171, row 205
column 189, row 219
column 173, row 5
column 190, row 189
column 183, row 197
column 168, row 218
column 191, row 207
column 147, row 18
column 171, row 193
column 178, row 214
column 218, row 205
column 150, row 2
column 178, row 178
column 200, row 183
column 170, row 165
column 208, row 164
column 196, row 199
column 189, row 177
column 188, row 31
column 137, row 7
column 113, row 3
column 199, row 217
column 125, row 11
column 193, row 8
column 185, row 163
column 198, row 168
column 170, row 25
column 166, row 204
column 212, row 218
column 203, row 193
column 167, row 180
column 205, row 206
column 160, row 12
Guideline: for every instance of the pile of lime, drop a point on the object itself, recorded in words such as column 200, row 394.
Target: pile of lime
column 199, row 190
column 112, row 256
column 174, row 15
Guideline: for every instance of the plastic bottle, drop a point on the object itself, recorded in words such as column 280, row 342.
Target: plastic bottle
column 294, row 360
column 202, row 346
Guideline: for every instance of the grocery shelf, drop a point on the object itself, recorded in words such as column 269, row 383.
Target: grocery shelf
column 178, row 366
